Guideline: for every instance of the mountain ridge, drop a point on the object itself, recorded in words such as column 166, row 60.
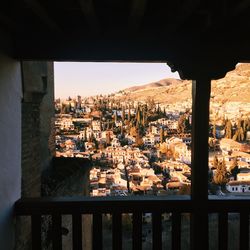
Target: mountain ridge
column 234, row 87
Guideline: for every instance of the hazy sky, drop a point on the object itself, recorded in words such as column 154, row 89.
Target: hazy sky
column 85, row 79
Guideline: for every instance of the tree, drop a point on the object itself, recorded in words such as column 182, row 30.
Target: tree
column 151, row 104
column 96, row 144
column 234, row 168
column 133, row 131
column 158, row 109
column 220, row 177
column 108, row 138
column 138, row 139
column 91, row 137
column 214, row 130
column 115, row 117
column 228, row 129
column 163, row 148
column 129, row 114
column 239, row 133
column 138, row 117
column 164, row 112
column 123, row 114
column 181, row 124
column 85, row 134
column 162, row 137
column 215, row 162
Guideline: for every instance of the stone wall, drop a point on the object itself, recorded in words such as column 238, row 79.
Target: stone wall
column 38, row 144
column 67, row 177
column 43, row 175
column 47, row 120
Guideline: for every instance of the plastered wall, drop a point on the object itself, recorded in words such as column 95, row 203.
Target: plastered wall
column 10, row 146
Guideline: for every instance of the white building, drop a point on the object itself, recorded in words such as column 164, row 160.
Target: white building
column 243, row 177
column 238, row 186
column 96, row 125
column 115, row 143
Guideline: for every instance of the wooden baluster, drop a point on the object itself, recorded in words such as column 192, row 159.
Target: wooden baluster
column 157, row 231
column 97, row 232
column 244, row 230
column 137, row 231
column 176, row 231
column 223, row 231
column 77, row 231
column 117, row 230
column 200, row 125
column 36, row 232
column 57, row 231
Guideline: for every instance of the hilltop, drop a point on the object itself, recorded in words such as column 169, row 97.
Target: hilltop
column 167, row 90
column 234, row 87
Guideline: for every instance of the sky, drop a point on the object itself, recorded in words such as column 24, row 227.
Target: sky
column 86, row 79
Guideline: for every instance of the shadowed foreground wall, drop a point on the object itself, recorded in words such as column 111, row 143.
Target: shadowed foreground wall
column 10, row 146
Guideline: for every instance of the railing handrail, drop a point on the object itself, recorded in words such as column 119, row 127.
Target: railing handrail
column 85, row 205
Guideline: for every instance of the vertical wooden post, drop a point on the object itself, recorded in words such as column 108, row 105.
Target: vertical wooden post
column 200, row 125
column 36, row 232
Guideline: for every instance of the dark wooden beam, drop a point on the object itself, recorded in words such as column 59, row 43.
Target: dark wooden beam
column 88, row 205
column 240, row 7
column 185, row 11
column 8, row 23
column 137, row 12
column 88, row 9
column 42, row 14
column 200, row 124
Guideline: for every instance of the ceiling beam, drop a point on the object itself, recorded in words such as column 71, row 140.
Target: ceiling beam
column 137, row 12
column 185, row 11
column 88, row 9
column 42, row 14
column 241, row 7
column 8, row 23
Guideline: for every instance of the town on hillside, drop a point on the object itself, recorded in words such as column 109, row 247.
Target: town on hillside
column 144, row 147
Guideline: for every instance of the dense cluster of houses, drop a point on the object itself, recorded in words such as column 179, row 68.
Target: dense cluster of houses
column 160, row 165
column 230, row 151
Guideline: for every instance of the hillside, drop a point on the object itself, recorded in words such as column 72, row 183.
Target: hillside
column 167, row 90
column 234, row 87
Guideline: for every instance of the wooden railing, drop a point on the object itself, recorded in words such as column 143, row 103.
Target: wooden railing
column 135, row 205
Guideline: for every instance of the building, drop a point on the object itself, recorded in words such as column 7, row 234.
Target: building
column 227, row 145
column 238, row 186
